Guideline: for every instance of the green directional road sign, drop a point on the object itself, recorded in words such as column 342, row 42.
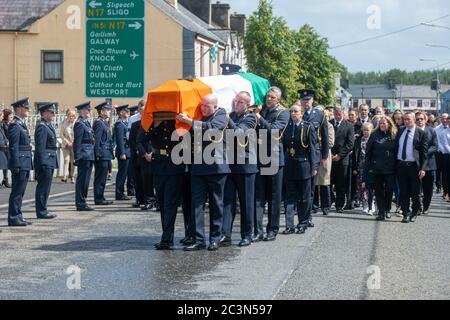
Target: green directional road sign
column 115, row 50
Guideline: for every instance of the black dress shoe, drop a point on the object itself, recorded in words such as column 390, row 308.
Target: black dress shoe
column 310, row 225
column 136, row 205
column 381, row 218
column 16, row 222
column 413, row 218
column 288, row 231
column 388, row 215
column 225, row 241
column 213, row 246
column 188, row 241
column 47, row 216
column 6, row 184
column 162, row 246
column 195, row 247
column 301, row 230
column 147, row 206
column 326, row 212
column 405, row 219
column 245, row 243
column 258, row 238
column 348, row 207
column 85, row 209
column 339, row 210
column 123, row 198
column 104, row 203
column 271, row 236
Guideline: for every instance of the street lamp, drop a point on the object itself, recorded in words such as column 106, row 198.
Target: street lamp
column 438, row 102
column 437, row 46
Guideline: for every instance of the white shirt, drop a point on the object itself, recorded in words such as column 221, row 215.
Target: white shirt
column 438, row 130
column 364, row 121
column 409, row 145
column 444, row 138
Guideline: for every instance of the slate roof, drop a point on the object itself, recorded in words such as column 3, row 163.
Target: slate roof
column 407, row 91
column 18, row 15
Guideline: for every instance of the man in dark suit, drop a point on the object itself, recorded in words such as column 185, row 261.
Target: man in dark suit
column 209, row 171
column 83, row 150
column 272, row 123
column 343, row 145
column 123, row 152
column 412, row 159
column 302, row 163
column 45, row 159
column 243, row 172
column 430, row 167
column 20, row 162
column 103, row 153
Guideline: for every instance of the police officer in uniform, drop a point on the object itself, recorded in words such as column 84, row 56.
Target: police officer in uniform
column 103, row 153
column 208, row 179
column 318, row 120
column 269, row 186
column 20, row 162
column 4, row 145
column 123, row 152
column 302, row 163
column 45, row 159
column 131, row 189
column 83, row 149
column 167, row 178
column 243, row 172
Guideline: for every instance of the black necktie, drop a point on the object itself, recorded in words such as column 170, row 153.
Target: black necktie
column 405, row 144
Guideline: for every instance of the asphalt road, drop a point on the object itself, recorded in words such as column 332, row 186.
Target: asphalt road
column 113, row 250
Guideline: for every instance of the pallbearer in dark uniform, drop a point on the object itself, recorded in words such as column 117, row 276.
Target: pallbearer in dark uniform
column 318, row 120
column 103, row 153
column 45, row 159
column 301, row 163
column 123, row 152
column 208, row 179
column 83, row 150
column 135, row 164
column 131, row 189
column 269, row 181
column 167, row 178
column 20, row 162
column 243, row 172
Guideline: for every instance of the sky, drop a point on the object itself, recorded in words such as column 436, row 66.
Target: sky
column 344, row 21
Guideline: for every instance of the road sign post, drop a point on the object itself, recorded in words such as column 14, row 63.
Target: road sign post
column 115, row 48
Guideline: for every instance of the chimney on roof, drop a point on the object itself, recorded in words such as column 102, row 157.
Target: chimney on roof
column 173, row 3
column 220, row 14
column 238, row 22
column 200, row 8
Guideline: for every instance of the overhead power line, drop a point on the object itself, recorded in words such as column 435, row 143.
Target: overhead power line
column 389, row 33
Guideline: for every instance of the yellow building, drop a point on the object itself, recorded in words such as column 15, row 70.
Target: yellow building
column 43, row 49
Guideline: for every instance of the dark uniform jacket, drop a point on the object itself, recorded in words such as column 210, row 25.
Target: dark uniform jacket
column 83, row 144
column 217, row 122
column 243, row 124
column 276, row 118
column 420, row 146
column 162, row 145
column 344, row 140
column 381, row 155
column 45, row 146
column 103, row 142
column 19, row 146
column 143, row 146
column 301, row 156
column 122, row 143
column 317, row 119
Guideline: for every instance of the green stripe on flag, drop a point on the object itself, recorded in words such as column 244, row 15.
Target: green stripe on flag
column 260, row 87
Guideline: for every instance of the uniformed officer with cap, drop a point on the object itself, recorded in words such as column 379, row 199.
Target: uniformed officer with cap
column 243, row 172
column 302, row 163
column 103, row 153
column 123, row 152
column 20, row 162
column 272, row 122
column 83, row 149
column 45, row 159
column 318, row 120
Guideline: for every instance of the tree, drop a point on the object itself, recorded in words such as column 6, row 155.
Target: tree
column 269, row 49
column 317, row 69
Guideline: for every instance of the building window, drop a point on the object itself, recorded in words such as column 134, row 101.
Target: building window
column 433, row 104
column 355, row 104
column 406, row 104
column 419, row 103
column 202, row 60
column 369, row 103
column 52, row 66
column 385, row 103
